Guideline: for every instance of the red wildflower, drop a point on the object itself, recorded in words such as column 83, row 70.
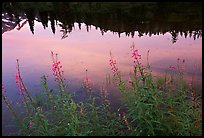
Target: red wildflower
column 20, row 85
column 56, row 68
column 172, row 67
column 135, row 54
column 112, row 63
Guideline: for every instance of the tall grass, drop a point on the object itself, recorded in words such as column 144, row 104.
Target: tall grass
column 155, row 105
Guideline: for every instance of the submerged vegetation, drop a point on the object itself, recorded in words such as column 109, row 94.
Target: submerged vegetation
column 155, row 105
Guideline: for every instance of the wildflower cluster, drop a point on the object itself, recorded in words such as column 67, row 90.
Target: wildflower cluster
column 172, row 67
column 144, row 101
column 135, row 54
column 56, row 68
column 58, row 73
column 149, row 108
column 112, row 63
column 114, row 68
column 138, row 67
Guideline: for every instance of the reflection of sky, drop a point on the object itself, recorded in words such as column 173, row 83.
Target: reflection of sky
column 88, row 50
column 82, row 49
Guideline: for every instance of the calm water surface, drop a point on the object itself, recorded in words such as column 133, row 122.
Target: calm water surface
column 83, row 50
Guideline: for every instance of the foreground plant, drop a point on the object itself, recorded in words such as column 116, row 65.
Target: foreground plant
column 56, row 114
column 154, row 105
column 158, row 107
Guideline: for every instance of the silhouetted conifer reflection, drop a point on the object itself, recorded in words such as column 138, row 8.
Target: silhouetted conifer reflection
column 156, row 18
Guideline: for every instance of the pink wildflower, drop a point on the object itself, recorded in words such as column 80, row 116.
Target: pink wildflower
column 172, row 67
column 20, row 85
column 135, row 54
column 56, row 68
column 17, row 77
column 112, row 63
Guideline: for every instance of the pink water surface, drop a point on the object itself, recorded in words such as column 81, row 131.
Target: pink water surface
column 83, row 50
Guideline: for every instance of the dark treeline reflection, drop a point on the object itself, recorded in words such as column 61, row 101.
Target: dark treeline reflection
column 152, row 18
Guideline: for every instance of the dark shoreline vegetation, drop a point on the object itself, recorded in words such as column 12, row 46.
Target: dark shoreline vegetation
column 147, row 18
column 155, row 105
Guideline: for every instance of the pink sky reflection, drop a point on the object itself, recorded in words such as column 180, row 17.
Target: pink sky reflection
column 83, row 50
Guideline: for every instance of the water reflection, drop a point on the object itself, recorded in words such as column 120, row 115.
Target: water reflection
column 87, row 50
column 145, row 19
column 85, row 47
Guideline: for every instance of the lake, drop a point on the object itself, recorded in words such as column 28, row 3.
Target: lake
column 83, row 40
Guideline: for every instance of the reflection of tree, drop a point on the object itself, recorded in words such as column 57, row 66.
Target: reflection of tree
column 146, row 19
column 79, row 24
column 174, row 36
column 20, row 26
column 31, row 17
column 63, row 30
column 44, row 18
column 66, row 29
column 52, row 20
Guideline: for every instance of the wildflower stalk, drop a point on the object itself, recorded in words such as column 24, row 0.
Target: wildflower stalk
column 150, row 110
column 104, row 98
column 10, row 108
column 23, row 90
column 136, row 55
column 148, row 66
column 114, row 68
column 88, row 86
column 181, row 79
column 58, row 73
column 21, row 84
column 44, row 81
